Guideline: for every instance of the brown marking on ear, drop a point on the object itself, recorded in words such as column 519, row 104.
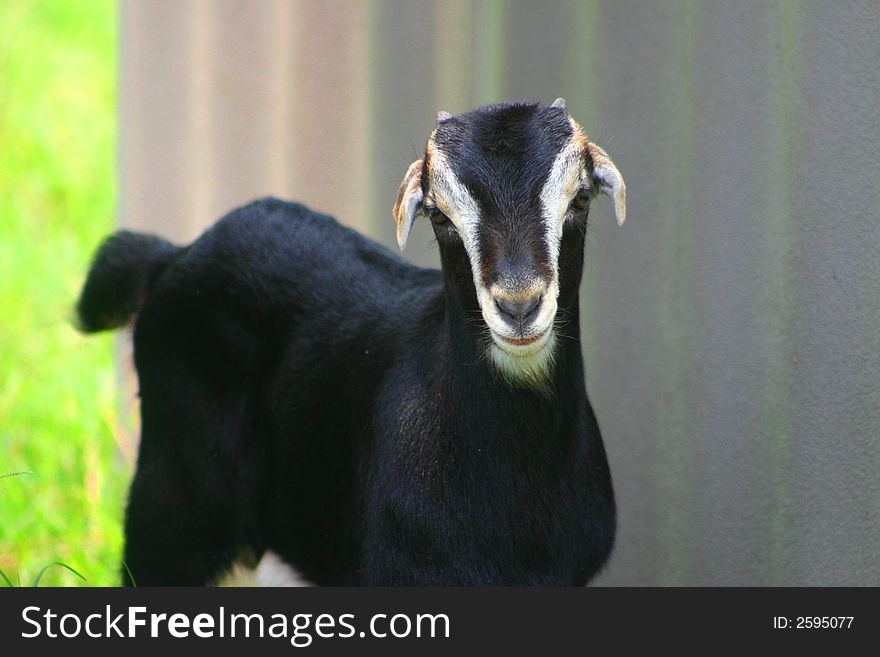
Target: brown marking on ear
column 599, row 156
column 409, row 195
column 605, row 174
column 413, row 176
column 609, row 179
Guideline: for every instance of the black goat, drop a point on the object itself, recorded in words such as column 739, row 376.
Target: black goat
column 307, row 392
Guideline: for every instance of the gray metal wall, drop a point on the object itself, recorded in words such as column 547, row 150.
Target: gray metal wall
column 732, row 327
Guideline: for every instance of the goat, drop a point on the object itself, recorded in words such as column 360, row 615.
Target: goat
column 305, row 392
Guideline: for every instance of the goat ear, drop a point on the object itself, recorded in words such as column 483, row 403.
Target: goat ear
column 409, row 200
column 608, row 180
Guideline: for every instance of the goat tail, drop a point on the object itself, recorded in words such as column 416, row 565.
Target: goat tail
column 123, row 270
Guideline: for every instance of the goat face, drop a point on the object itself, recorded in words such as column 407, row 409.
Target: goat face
column 501, row 184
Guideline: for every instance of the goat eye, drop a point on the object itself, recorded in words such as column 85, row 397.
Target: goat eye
column 437, row 217
column 581, row 200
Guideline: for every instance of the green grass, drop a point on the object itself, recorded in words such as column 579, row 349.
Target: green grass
column 58, row 407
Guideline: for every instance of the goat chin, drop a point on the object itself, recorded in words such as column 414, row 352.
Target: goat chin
column 527, row 366
column 272, row 571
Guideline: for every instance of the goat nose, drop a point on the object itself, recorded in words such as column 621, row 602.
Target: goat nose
column 517, row 311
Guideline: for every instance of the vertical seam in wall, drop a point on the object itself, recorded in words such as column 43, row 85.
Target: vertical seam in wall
column 372, row 196
column 672, row 466
column 122, row 64
column 201, row 25
column 585, row 22
column 363, row 127
column 282, row 156
column 782, row 354
column 490, row 45
column 453, row 55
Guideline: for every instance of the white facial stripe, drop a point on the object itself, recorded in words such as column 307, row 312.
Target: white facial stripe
column 456, row 202
column 562, row 184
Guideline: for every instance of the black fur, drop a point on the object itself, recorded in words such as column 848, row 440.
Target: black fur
column 306, row 391
column 121, row 273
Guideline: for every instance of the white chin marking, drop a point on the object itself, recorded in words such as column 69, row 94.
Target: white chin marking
column 274, row 571
column 526, row 365
column 271, row 571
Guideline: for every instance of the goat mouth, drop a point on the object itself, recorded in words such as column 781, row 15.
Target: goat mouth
column 522, row 342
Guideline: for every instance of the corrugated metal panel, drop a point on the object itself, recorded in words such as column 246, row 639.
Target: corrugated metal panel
column 732, row 328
